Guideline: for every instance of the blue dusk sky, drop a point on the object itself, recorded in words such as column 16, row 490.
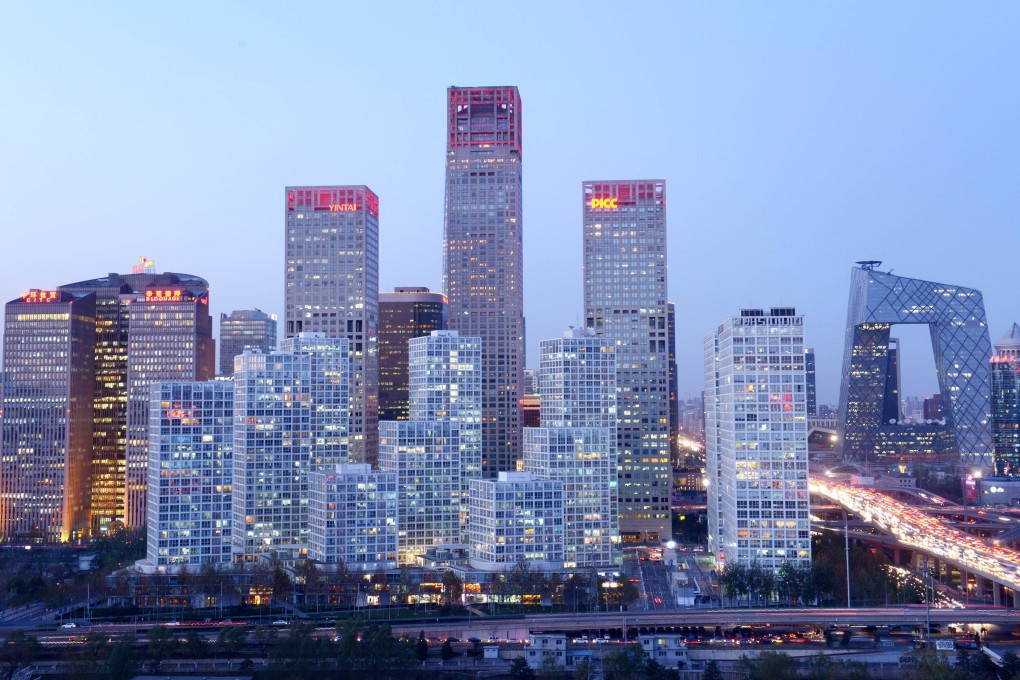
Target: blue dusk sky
column 795, row 138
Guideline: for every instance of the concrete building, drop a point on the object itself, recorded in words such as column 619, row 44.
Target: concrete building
column 48, row 384
column 353, row 517
column 406, row 313
column 332, row 287
column 516, row 517
column 756, row 440
column 425, row 457
column 191, row 468
column 245, row 329
column 669, row 650
column 625, row 302
column 483, row 258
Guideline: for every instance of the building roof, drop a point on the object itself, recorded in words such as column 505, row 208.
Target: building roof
column 1010, row 340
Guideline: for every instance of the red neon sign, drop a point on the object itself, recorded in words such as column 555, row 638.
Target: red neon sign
column 605, row 204
column 339, row 207
column 35, row 295
column 164, row 295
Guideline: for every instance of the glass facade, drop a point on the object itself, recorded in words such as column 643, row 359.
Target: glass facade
column 625, row 302
column 332, row 287
column 48, row 382
column 1005, row 379
column 245, row 329
column 483, row 261
column 959, row 334
column 404, row 314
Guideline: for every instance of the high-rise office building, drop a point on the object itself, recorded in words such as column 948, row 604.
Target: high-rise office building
column 191, row 467
column 530, row 382
column 48, row 383
column 169, row 338
column 576, row 444
column 407, row 312
column 625, row 301
column 812, row 390
column 291, row 419
column 425, row 457
column 189, row 352
column 245, row 329
column 446, row 385
column 675, row 451
column 332, row 287
column 756, row 440
column 483, row 259
column 1005, row 400
column 869, row 397
column 516, row 517
column 352, row 517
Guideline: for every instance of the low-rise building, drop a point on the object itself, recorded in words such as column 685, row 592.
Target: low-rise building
column 666, row 649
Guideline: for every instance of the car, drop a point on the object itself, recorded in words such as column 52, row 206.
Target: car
column 70, row 624
column 173, row 623
column 492, row 638
column 580, row 641
column 434, row 639
column 452, row 639
column 474, row 640
column 280, row 622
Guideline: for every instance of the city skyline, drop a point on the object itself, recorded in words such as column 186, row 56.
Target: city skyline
column 872, row 136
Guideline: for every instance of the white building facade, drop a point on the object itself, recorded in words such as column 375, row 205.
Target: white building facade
column 191, row 434
column 756, row 440
column 352, row 517
column 518, row 516
column 425, row 457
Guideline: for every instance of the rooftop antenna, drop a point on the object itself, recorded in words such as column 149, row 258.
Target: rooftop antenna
column 869, row 265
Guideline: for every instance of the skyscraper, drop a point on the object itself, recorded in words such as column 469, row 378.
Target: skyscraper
column 243, row 329
column 116, row 357
column 869, row 397
column 48, row 382
column 403, row 314
column 483, row 259
column 332, row 287
column 675, row 451
column 812, row 390
column 1005, row 381
column 756, row 440
column 576, row 444
column 169, row 338
column 446, row 385
column 191, row 469
column 625, row 301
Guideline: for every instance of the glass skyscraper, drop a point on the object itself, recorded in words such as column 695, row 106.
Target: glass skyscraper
column 407, row 312
column 48, row 382
column 332, row 287
column 1005, row 379
column 625, row 301
column 955, row 317
column 245, row 329
column 483, row 260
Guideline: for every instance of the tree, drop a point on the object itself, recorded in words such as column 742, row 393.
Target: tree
column 582, row 670
column 1010, row 666
column 446, row 651
column 770, row 665
column 421, row 648
column 161, row 643
column 196, row 647
column 232, row 638
column 453, row 588
column 520, row 670
column 18, row 650
column 712, row 671
column 121, row 665
column 625, row 664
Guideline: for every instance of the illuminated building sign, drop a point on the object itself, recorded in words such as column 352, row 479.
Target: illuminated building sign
column 177, row 413
column 605, row 204
column 164, row 295
column 40, row 296
column 339, row 207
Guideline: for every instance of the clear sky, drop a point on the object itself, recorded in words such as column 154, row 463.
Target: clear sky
column 795, row 138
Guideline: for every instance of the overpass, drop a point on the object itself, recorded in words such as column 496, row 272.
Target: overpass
column 913, row 527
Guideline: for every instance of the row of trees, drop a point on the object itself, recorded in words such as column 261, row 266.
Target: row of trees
column 926, row 665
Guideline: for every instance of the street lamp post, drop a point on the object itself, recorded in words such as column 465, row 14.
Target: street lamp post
column 846, row 545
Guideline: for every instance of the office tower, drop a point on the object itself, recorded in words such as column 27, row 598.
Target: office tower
column 191, row 467
column 577, row 443
column 169, row 338
column 245, row 329
column 332, row 287
column 531, row 378
column 955, row 317
column 1005, row 400
column 483, row 260
column 756, row 440
column 531, row 411
column 932, row 406
column 675, row 451
column 48, row 382
column 516, row 517
column 446, row 385
column 625, row 301
column 291, row 419
column 188, row 353
column 403, row 314
column 352, row 517
column 812, row 390
column 425, row 456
